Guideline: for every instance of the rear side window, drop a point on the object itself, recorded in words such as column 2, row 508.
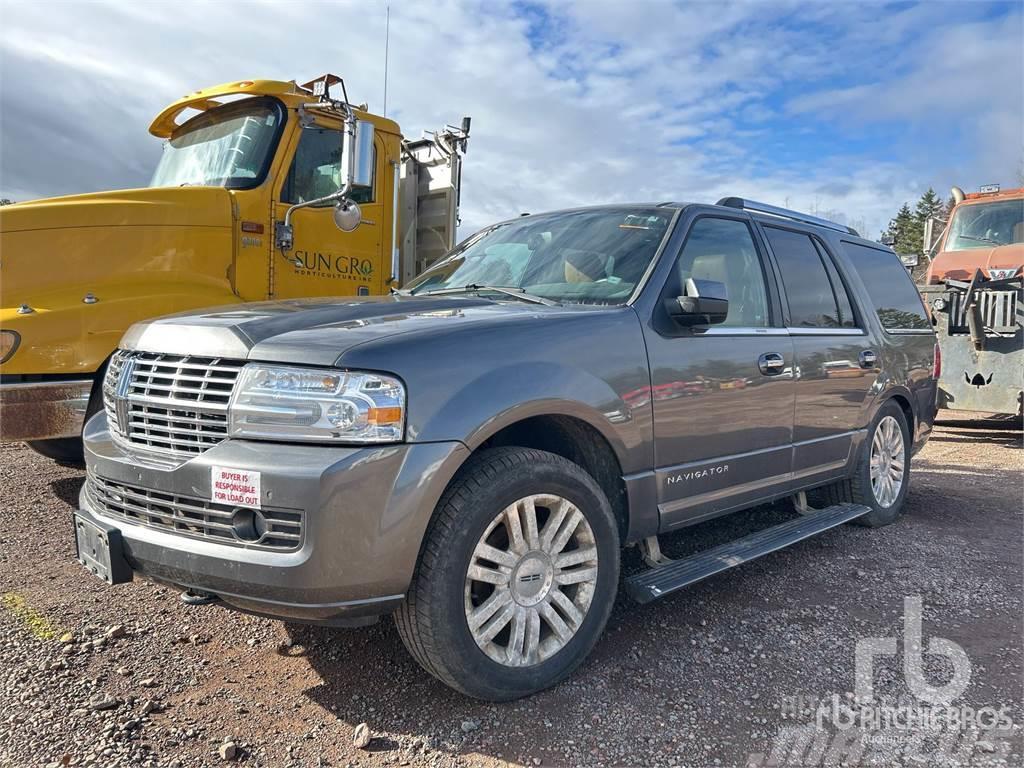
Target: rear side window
column 892, row 291
column 812, row 296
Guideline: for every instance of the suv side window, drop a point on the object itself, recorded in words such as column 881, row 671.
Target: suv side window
column 892, row 291
column 846, row 317
column 812, row 301
column 316, row 169
column 723, row 250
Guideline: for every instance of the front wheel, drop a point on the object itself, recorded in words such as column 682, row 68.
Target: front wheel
column 516, row 578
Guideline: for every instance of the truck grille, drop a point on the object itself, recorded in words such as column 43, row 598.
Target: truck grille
column 198, row 518
column 172, row 404
column 999, row 311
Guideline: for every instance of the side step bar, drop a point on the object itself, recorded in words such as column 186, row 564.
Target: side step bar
column 664, row 579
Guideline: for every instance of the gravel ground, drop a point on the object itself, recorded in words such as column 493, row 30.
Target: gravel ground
column 719, row 675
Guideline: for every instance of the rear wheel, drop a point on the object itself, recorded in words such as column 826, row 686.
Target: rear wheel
column 517, row 576
column 882, row 478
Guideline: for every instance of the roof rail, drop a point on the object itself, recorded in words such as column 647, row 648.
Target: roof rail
column 785, row 213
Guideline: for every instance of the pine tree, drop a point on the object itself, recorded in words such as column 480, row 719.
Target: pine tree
column 903, row 231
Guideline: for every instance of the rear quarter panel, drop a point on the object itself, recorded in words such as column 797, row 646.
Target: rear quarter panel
column 905, row 358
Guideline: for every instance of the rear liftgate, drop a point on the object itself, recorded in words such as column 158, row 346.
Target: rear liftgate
column 666, row 576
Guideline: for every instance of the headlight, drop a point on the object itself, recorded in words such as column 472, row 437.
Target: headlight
column 9, row 341
column 317, row 404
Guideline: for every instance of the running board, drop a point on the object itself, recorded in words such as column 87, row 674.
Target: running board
column 664, row 579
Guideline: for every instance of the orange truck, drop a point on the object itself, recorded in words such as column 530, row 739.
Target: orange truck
column 974, row 289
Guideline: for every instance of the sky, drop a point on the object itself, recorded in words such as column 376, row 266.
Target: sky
column 846, row 109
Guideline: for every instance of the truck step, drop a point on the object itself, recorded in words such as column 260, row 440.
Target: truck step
column 664, row 579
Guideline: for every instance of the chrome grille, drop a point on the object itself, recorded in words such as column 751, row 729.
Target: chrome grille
column 199, row 518
column 999, row 310
column 174, row 404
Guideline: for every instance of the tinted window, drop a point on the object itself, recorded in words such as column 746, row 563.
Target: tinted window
column 723, row 250
column 893, row 293
column 846, row 317
column 316, row 169
column 812, row 301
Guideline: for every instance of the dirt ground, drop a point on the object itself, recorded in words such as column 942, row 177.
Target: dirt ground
column 726, row 673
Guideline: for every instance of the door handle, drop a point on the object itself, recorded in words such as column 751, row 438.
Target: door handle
column 771, row 363
column 868, row 358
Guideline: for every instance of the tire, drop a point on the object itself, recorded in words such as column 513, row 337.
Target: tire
column 434, row 619
column 859, row 488
column 69, row 451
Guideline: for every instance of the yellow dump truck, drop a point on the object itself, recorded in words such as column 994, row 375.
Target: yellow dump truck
column 265, row 190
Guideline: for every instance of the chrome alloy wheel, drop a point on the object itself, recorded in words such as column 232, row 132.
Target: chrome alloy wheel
column 531, row 579
column 887, row 456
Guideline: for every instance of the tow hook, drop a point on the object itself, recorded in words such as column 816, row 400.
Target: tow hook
column 195, row 597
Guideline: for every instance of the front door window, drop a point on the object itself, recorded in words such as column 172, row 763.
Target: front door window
column 316, row 169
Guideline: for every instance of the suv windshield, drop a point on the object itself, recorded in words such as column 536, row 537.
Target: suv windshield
column 228, row 146
column 593, row 256
column 983, row 225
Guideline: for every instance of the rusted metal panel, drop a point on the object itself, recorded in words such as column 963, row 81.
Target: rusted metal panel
column 43, row 410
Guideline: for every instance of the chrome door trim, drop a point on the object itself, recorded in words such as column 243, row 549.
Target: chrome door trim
column 742, row 331
column 826, row 332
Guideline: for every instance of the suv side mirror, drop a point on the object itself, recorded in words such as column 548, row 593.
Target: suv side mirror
column 705, row 302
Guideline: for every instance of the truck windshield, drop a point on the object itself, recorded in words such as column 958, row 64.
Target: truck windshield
column 984, row 225
column 595, row 256
column 229, row 146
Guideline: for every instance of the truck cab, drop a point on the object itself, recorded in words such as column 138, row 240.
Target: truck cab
column 974, row 292
column 241, row 161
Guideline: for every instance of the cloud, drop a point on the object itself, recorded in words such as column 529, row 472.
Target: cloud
column 572, row 103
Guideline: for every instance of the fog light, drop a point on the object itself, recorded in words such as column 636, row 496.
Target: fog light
column 248, row 524
column 939, row 304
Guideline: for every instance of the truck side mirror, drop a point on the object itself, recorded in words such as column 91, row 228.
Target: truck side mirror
column 705, row 302
column 347, row 214
column 933, row 229
column 362, row 148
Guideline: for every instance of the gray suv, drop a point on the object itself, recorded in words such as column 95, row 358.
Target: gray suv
column 472, row 453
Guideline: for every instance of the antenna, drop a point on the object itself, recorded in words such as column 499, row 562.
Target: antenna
column 387, row 40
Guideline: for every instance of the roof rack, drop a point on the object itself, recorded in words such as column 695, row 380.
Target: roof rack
column 785, row 213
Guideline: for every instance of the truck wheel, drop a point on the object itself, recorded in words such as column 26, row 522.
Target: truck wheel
column 66, row 451
column 882, row 477
column 516, row 578
column 69, row 451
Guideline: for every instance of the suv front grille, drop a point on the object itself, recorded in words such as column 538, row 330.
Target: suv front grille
column 172, row 404
column 278, row 530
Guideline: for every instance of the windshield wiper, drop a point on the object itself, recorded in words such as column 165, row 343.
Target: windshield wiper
column 980, row 239
column 516, row 293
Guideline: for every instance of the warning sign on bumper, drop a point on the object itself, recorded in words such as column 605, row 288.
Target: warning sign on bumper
column 235, row 486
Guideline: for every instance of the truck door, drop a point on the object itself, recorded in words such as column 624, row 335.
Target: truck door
column 722, row 394
column 835, row 356
column 324, row 260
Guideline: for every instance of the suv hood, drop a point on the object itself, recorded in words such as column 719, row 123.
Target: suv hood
column 320, row 331
column 156, row 207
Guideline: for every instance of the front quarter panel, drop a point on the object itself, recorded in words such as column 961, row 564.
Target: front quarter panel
column 468, row 384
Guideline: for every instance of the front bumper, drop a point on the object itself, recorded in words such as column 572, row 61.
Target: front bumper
column 364, row 513
column 43, row 410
